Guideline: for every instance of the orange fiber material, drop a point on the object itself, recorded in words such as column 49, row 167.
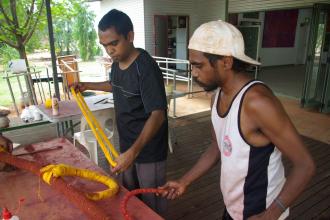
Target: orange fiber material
column 128, row 195
column 73, row 195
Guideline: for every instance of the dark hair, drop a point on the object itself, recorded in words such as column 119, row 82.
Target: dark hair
column 238, row 65
column 117, row 19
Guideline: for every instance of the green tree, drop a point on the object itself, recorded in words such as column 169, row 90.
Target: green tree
column 23, row 26
column 39, row 39
column 63, row 13
column 84, row 32
column 7, row 53
column 74, row 29
column 18, row 21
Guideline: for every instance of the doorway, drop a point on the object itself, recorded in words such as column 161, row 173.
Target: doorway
column 171, row 37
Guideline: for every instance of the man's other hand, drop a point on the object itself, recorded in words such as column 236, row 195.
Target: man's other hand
column 173, row 189
column 79, row 87
column 124, row 161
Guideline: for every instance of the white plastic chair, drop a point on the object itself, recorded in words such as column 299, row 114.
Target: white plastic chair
column 17, row 66
column 85, row 137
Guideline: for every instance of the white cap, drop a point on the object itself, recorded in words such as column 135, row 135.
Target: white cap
column 220, row 38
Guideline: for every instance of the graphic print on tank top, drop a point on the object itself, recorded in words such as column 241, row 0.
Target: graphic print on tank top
column 227, row 146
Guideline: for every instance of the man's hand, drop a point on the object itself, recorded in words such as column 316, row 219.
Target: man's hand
column 124, row 161
column 173, row 189
column 6, row 144
column 79, row 87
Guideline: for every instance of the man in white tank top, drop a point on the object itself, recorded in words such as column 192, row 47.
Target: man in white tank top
column 250, row 132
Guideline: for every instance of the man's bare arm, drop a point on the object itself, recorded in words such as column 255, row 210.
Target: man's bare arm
column 208, row 159
column 150, row 129
column 270, row 117
column 174, row 189
column 99, row 86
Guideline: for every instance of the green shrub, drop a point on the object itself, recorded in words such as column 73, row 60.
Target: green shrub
column 7, row 53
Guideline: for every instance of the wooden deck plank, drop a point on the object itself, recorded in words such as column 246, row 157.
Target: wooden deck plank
column 315, row 204
column 324, row 215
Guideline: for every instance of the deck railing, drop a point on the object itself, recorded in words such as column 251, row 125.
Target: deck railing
column 175, row 70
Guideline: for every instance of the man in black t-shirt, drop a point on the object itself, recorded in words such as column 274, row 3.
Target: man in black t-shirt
column 140, row 105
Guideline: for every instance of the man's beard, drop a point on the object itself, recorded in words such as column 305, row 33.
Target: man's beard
column 207, row 88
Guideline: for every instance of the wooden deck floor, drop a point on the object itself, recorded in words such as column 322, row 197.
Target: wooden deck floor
column 203, row 199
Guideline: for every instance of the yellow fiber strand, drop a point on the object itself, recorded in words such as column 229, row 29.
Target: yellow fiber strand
column 82, row 104
column 55, row 171
column 98, row 138
column 108, row 143
column 91, row 120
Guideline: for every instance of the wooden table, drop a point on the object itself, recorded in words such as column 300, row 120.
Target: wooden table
column 69, row 110
column 17, row 123
column 22, row 184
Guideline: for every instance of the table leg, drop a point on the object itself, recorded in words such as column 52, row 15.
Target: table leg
column 58, row 129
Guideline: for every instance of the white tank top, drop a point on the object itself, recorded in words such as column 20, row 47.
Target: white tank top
column 251, row 177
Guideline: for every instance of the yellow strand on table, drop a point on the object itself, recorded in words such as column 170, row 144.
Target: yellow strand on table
column 98, row 131
column 55, row 171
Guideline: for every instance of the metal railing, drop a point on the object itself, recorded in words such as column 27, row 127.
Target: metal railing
column 169, row 73
column 30, row 77
column 175, row 74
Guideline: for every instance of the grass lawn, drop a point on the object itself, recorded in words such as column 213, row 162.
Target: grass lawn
column 5, row 97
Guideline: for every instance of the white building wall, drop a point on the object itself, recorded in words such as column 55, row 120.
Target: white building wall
column 135, row 10
column 236, row 6
column 278, row 56
column 209, row 10
column 199, row 11
column 288, row 55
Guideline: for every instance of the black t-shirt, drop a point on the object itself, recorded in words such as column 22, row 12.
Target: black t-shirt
column 137, row 91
